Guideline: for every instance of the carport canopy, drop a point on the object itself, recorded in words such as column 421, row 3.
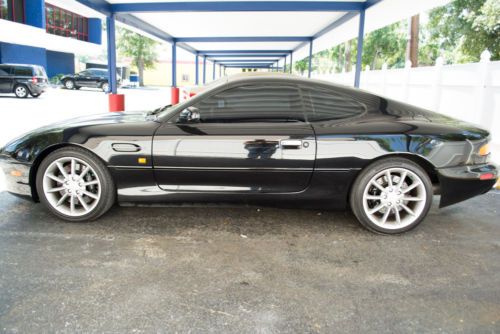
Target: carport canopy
column 251, row 34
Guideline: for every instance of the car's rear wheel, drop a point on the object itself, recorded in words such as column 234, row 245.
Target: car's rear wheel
column 21, row 91
column 391, row 196
column 105, row 87
column 75, row 185
column 69, row 84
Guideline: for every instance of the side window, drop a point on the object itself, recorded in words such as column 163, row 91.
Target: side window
column 329, row 104
column 85, row 73
column 4, row 70
column 252, row 103
column 23, row 71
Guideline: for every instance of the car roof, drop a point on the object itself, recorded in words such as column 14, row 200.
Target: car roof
column 96, row 69
column 25, row 65
column 283, row 77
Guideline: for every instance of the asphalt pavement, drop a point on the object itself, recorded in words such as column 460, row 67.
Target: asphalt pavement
column 248, row 270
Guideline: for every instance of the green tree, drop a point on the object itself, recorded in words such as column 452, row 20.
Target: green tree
column 465, row 28
column 302, row 65
column 385, row 45
column 141, row 49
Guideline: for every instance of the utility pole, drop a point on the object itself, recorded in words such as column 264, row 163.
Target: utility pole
column 347, row 63
column 412, row 45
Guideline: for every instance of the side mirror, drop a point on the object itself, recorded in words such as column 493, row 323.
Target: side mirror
column 189, row 115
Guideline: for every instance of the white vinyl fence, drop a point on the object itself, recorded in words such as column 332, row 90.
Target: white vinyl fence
column 470, row 92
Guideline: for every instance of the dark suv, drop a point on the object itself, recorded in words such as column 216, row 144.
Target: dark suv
column 23, row 80
column 91, row 77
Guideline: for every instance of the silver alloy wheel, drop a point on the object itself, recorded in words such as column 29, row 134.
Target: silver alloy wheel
column 394, row 198
column 105, row 87
column 71, row 186
column 69, row 84
column 21, row 91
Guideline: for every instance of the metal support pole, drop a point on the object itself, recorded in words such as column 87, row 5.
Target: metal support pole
column 310, row 58
column 110, row 32
column 284, row 65
column 220, row 71
column 359, row 55
column 291, row 62
column 174, row 64
column 204, row 69
column 213, row 70
column 197, row 69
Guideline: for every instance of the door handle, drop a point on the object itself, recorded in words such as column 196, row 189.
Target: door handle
column 291, row 144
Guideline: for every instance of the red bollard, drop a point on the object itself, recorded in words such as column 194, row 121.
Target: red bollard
column 116, row 102
column 175, row 95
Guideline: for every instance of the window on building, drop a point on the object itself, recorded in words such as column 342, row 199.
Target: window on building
column 12, row 10
column 62, row 22
column 185, row 77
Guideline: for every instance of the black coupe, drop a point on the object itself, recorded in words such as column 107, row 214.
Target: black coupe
column 262, row 139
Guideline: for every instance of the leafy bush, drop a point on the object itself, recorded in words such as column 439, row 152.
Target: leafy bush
column 56, row 80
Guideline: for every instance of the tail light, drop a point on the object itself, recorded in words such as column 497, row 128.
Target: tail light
column 36, row 80
column 487, row 176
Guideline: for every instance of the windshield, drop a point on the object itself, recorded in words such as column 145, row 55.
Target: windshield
column 198, row 91
column 160, row 109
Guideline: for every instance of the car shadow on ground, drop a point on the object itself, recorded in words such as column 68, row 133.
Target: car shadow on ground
column 242, row 221
column 14, row 97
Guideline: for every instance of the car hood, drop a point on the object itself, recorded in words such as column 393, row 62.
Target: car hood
column 59, row 129
column 105, row 118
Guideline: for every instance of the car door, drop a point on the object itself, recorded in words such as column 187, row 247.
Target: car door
column 6, row 79
column 249, row 139
column 96, row 78
column 84, row 79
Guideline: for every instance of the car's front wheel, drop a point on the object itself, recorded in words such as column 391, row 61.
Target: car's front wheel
column 391, row 196
column 21, row 91
column 69, row 84
column 75, row 185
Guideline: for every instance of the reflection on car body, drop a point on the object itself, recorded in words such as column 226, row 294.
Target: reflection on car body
column 259, row 139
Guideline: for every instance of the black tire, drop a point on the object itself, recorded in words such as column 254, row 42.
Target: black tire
column 108, row 190
column 105, row 87
column 21, row 91
column 366, row 175
column 35, row 95
column 69, row 84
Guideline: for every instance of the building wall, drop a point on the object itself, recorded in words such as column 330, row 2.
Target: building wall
column 60, row 63
column 22, row 54
column 29, row 43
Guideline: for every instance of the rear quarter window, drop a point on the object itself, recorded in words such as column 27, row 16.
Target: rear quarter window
column 328, row 104
column 23, row 71
column 40, row 71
